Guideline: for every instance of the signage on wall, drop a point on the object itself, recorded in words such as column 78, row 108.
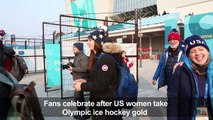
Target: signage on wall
column 159, row 19
column 201, row 25
column 84, row 8
column 52, row 52
column 20, row 52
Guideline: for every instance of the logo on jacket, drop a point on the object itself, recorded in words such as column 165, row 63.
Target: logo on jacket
column 104, row 68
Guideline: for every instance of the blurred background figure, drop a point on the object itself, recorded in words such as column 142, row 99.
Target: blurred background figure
column 125, row 59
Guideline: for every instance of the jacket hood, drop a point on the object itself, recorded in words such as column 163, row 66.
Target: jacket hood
column 188, row 63
column 111, row 48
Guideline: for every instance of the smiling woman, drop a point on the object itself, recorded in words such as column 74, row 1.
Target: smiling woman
column 198, row 51
column 199, row 55
column 190, row 89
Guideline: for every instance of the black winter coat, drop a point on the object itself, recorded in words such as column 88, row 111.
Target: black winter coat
column 103, row 84
column 103, row 81
column 182, row 95
column 7, row 50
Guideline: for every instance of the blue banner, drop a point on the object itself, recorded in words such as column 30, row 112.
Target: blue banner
column 84, row 8
column 201, row 25
column 53, row 65
column 159, row 19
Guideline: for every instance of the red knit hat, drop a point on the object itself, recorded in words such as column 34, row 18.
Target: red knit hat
column 174, row 36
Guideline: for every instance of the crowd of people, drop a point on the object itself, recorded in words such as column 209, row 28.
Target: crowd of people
column 187, row 72
column 185, row 67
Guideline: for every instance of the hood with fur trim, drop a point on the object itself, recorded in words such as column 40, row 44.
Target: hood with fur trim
column 111, row 48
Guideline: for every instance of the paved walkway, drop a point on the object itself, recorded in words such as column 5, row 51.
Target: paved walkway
column 146, row 90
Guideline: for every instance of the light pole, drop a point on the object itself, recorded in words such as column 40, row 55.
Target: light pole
column 141, row 35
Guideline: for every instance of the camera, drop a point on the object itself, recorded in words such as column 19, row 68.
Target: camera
column 67, row 65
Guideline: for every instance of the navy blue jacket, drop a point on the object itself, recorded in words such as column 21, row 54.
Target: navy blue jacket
column 159, row 73
column 183, row 92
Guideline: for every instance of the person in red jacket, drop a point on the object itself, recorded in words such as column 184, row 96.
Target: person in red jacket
column 5, row 55
column 126, row 60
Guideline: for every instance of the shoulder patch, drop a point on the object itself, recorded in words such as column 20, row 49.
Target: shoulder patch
column 104, row 68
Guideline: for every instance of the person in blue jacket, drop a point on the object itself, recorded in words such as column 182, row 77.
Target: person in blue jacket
column 190, row 90
column 169, row 58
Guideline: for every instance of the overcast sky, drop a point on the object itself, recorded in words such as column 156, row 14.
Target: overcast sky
column 24, row 17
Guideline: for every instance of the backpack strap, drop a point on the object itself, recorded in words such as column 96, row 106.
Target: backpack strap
column 7, row 78
column 18, row 103
column 120, row 63
column 99, row 57
column 102, row 54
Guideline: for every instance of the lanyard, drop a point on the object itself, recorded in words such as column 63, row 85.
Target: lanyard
column 206, row 86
